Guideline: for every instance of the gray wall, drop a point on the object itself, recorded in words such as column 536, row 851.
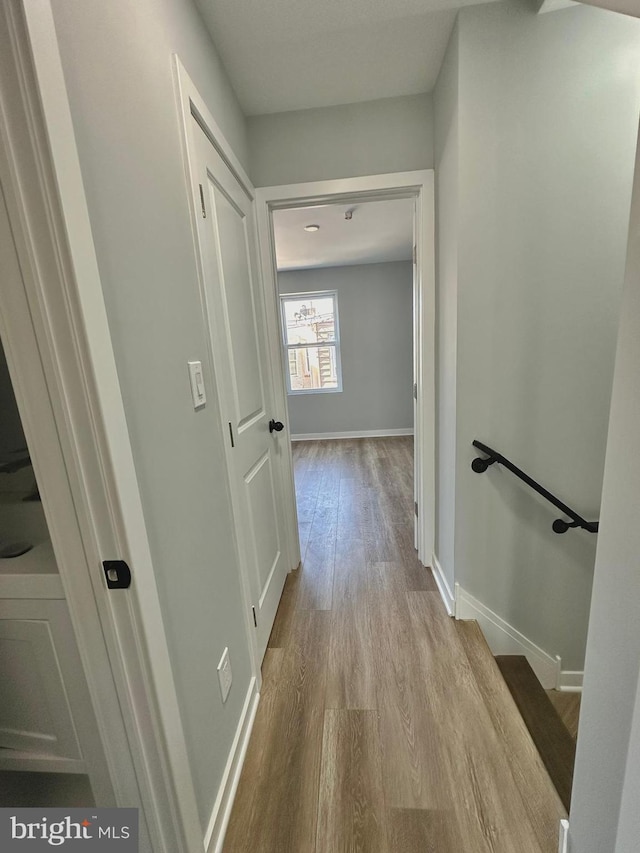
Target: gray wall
column 604, row 806
column 375, row 309
column 447, row 205
column 117, row 59
column 548, row 111
column 371, row 138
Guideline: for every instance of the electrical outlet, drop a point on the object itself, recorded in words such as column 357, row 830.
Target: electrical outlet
column 225, row 675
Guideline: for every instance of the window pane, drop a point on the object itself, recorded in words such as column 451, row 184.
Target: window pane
column 309, row 321
column 312, row 368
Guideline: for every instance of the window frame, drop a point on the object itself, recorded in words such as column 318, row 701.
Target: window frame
column 315, row 294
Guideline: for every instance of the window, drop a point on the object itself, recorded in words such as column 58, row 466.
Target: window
column 312, row 342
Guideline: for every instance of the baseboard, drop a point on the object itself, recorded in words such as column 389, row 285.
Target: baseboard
column 443, row 586
column 571, row 681
column 219, row 820
column 563, row 836
column 357, row 433
column 504, row 639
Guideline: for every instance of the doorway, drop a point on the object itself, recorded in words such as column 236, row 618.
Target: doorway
column 286, row 209
column 345, row 284
column 346, row 295
column 51, row 747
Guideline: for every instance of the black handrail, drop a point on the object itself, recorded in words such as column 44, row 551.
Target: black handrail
column 479, row 465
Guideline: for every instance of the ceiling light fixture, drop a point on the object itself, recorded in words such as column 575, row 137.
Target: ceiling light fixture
column 311, row 227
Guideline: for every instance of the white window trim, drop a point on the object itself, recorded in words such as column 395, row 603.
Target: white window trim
column 315, row 294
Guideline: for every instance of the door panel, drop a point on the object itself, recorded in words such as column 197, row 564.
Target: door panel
column 236, row 319
column 236, row 281
column 264, row 524
column 34, row 714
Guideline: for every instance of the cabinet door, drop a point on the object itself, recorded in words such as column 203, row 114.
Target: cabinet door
column 35, row 711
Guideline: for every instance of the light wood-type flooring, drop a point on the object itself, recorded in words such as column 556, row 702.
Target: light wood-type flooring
column 568, row 706
column 383, row 724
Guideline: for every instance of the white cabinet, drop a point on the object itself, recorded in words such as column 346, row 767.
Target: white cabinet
column 35, row 711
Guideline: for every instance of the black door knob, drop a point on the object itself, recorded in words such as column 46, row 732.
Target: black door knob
column 275, row 425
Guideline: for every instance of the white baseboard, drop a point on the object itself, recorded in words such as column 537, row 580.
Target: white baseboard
column 219, row 820
column 563, row 836
column 504, row 639
column 357, row 433
column 571, row 681
column 443, row 586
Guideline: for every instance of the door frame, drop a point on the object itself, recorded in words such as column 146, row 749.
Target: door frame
column 418, row 185
column 192, row 106
column 91, row 472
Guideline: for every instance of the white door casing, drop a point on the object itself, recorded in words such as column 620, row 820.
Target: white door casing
column 234, row 314
column 419, row 186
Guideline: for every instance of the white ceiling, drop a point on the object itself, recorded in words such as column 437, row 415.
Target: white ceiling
column 296, row 54
column 378, row 231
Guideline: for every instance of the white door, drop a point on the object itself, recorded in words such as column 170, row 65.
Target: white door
column 236, row 318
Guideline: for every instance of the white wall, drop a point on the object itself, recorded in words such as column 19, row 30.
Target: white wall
column 548, row 111
column 447, row 207
column 117, row 59
column 375, row 310
column 604, row 806
column 371, row 138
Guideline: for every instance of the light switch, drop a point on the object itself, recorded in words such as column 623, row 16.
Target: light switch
column 197, row 384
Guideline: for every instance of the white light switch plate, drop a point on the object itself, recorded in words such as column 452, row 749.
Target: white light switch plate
column 196, row 379
column 224, row 674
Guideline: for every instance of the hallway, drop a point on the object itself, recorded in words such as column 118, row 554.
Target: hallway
column 383, row 725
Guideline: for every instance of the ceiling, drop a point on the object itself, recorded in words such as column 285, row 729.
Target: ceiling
column 379, row 231
column 296, row 54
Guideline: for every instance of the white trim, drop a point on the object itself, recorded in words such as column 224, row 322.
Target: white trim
column 554, row 5
column 571, row 681
column 504, row 639
column 420, row 186
column 355, row 433
column 335, row 343
column 444, row 589
column 192, row 105
column 219, row 820
column 563, row 836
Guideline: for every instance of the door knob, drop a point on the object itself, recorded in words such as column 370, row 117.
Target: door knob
column 275, row 425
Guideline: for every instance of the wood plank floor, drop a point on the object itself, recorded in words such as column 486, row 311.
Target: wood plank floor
column 556, row 746
column 568, row 707
column 374, row 731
